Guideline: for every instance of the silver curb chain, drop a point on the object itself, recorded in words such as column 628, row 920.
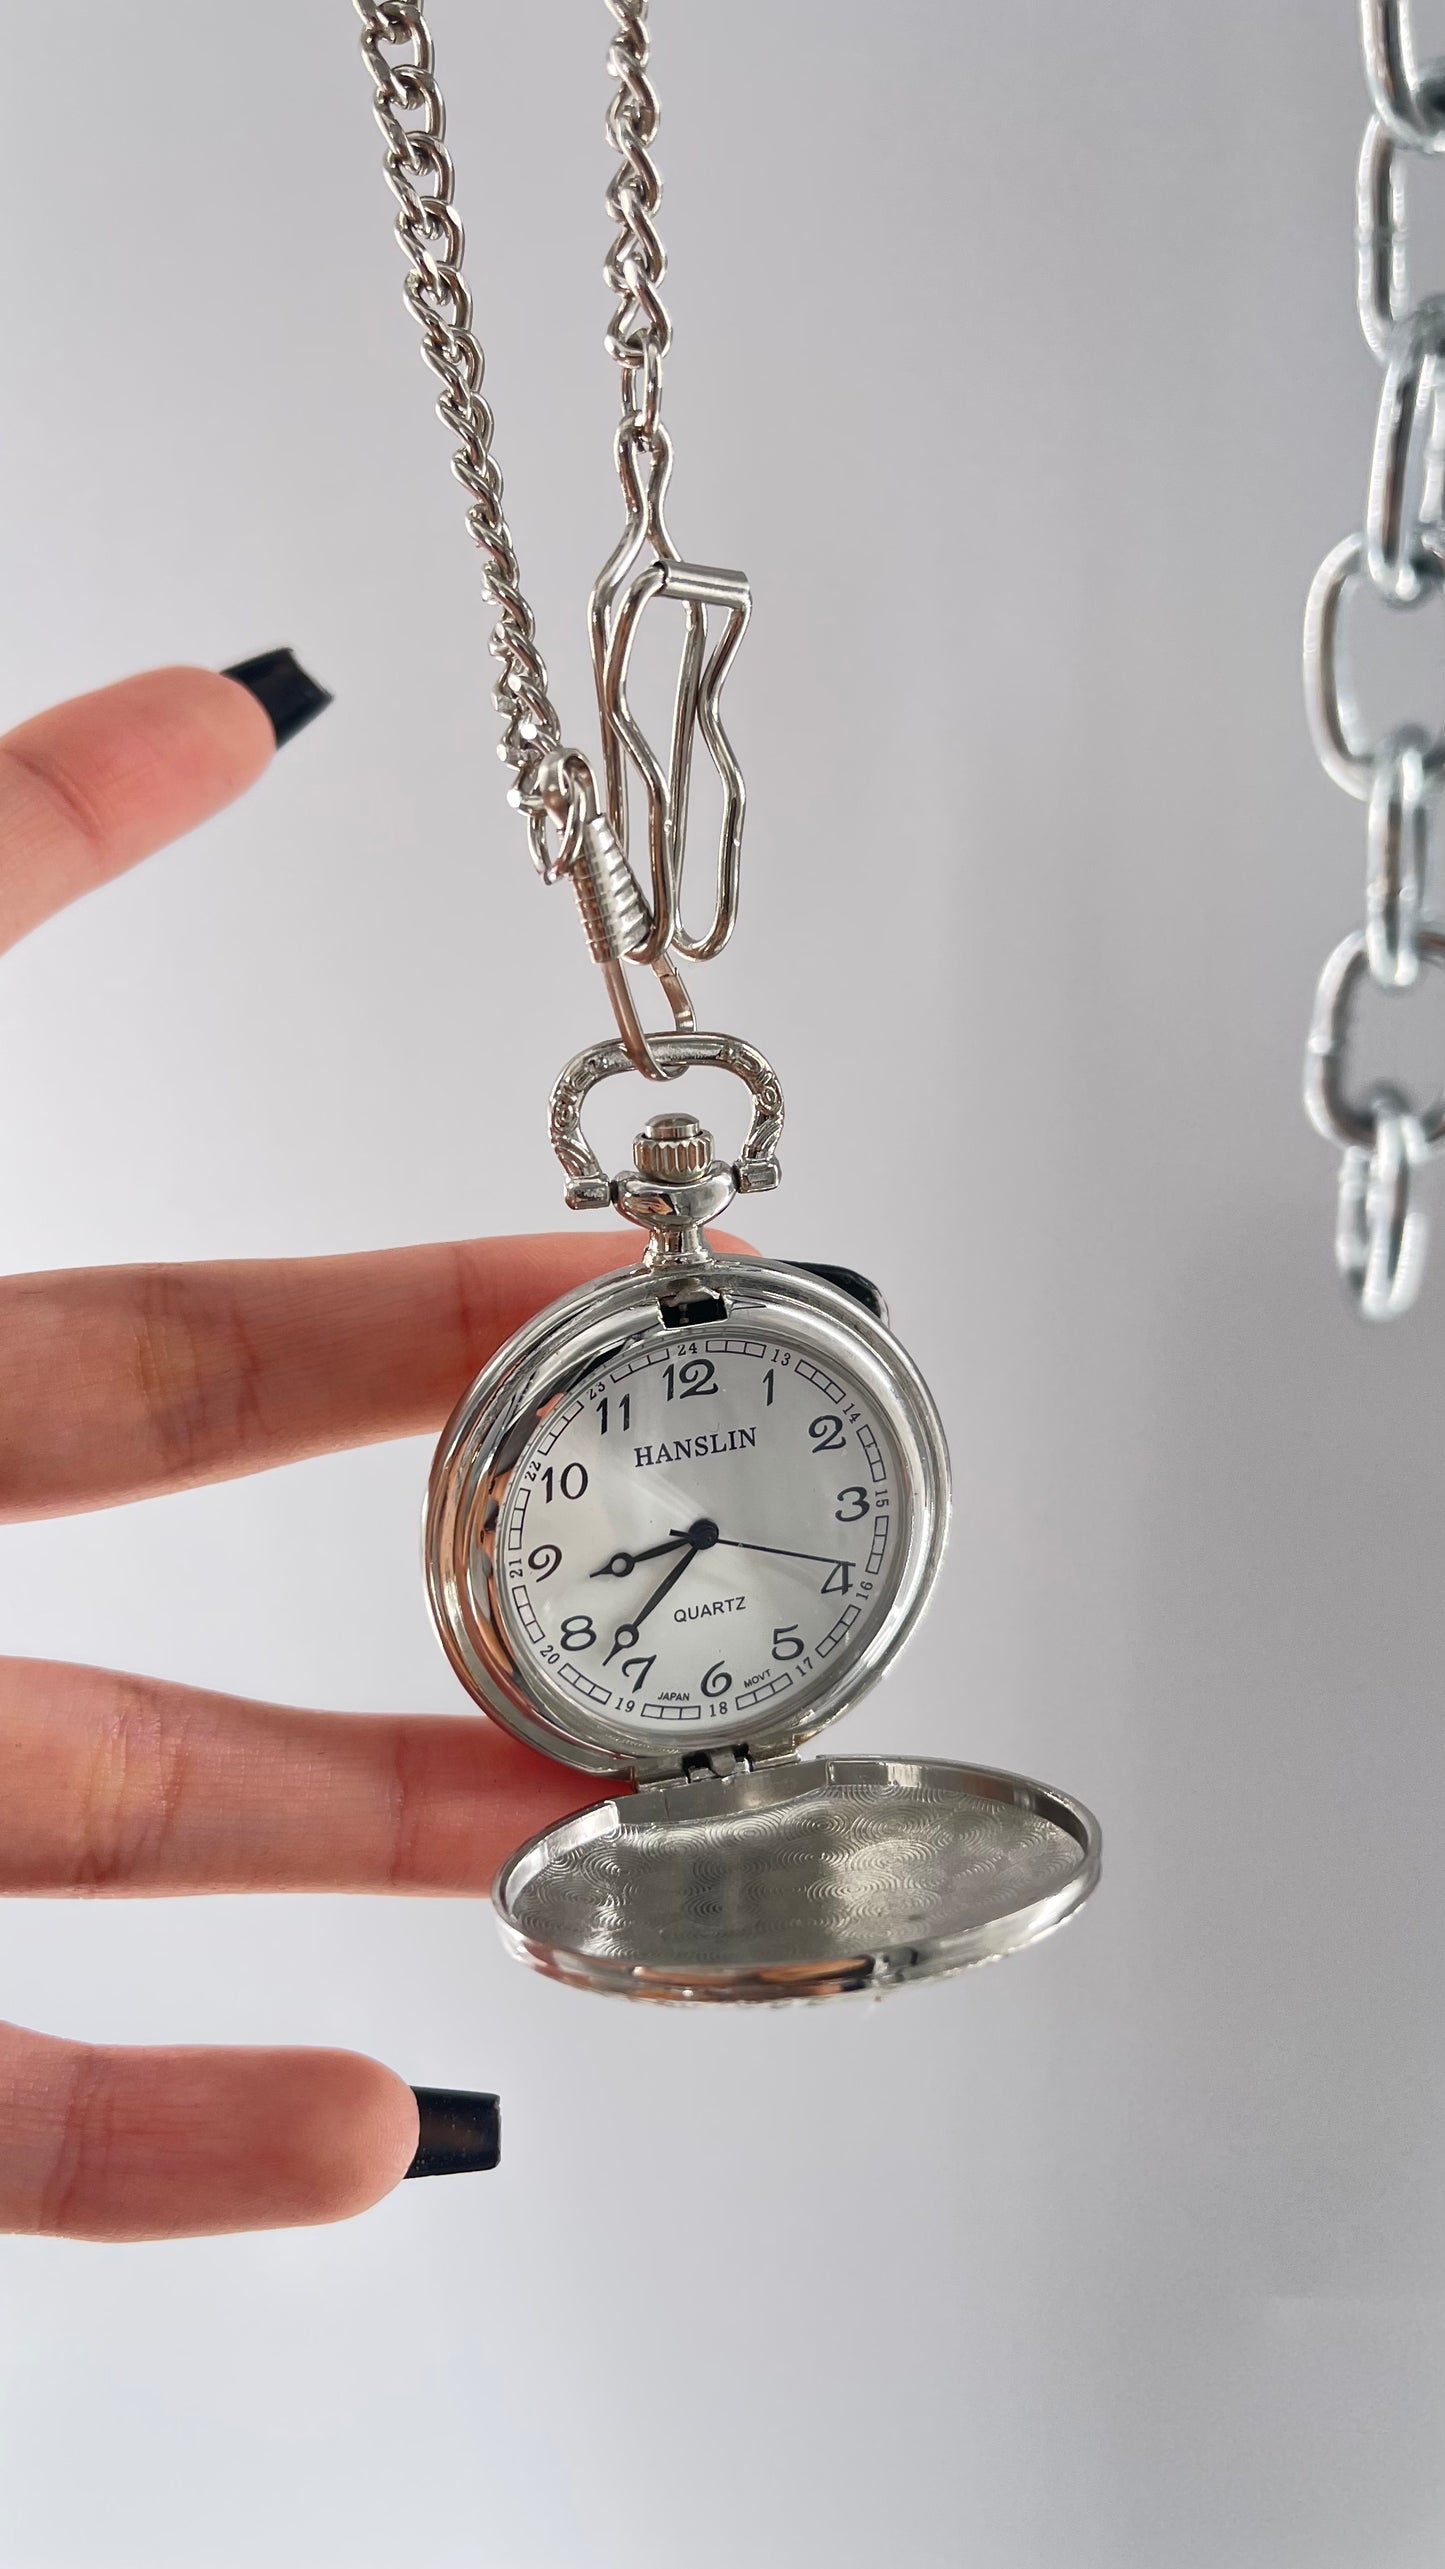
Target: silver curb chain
column 1400, row 551
column 577, row 831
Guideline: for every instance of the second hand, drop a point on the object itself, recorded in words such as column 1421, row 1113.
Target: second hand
column 784, row 1552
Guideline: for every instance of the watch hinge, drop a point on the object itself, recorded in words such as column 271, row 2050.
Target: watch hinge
column 733, row 1760
column 703, row 1766
column 716, row 1765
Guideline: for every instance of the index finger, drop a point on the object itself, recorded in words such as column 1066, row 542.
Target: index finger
column 92, row 786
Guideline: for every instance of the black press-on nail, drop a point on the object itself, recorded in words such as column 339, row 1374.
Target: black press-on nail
column 460, row 2130
column 283, row 690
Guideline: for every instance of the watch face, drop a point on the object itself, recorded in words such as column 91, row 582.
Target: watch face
column 645, row 1540
column 704, row 1532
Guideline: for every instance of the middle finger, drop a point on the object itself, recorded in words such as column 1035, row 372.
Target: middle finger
column 126, row 1785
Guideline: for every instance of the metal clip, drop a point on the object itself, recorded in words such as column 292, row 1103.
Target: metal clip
column 609, row 899
column 623, row 590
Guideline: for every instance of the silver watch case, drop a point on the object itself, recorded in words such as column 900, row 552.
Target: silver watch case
column 740, row 1872
column 624, row 1314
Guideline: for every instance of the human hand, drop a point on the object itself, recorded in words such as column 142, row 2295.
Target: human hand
column 119, row 1383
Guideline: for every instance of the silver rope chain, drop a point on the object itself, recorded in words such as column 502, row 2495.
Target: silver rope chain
column 576, row 832
column 1386, row 1141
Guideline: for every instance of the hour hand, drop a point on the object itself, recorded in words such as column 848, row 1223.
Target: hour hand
column 622, row 1564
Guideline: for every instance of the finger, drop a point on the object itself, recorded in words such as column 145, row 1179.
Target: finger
column 101, row 2143
column 119, row 1382
column 123, row 1785
column 94, row 785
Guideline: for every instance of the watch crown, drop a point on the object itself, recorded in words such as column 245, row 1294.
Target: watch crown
column 671, row 1147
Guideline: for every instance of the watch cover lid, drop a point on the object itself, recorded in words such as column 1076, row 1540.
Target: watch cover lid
column 798, row 1879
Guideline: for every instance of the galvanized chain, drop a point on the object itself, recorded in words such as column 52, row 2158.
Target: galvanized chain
column 1400, row 553
column 575, row 831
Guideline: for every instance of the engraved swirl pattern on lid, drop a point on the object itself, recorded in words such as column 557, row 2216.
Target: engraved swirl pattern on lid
column 816, row 1877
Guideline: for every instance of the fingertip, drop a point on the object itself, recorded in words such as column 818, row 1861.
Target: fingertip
column 89, row 787
column 152, row 755
column 343, row 2131
column 232, row 738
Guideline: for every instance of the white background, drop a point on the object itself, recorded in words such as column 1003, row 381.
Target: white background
column 1016, row 361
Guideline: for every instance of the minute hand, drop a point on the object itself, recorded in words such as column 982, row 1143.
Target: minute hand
column 664, row 1585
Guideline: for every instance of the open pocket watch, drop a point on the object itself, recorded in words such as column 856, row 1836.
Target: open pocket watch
column 691, row 1512
column 683, row 1520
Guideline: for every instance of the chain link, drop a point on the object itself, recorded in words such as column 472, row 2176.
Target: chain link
column 554, row 785
column 1409, row 101
column 1380, row 1231
column 397, row 48
column 640, row 333
column 1400, row 553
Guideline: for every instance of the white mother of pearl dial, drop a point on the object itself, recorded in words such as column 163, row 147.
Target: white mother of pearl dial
column 700, row 1535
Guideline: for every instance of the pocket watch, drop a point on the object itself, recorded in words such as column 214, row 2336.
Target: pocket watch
column 692, row 1511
